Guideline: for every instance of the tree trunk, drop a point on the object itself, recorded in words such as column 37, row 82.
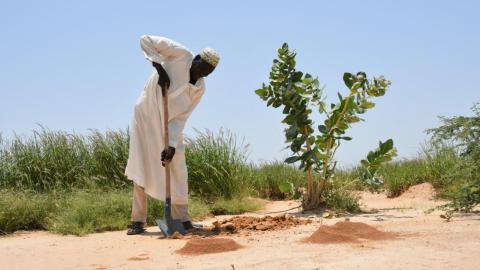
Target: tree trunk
column 312, row 200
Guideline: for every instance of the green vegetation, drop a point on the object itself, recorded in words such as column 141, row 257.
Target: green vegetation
column 86, row 211
column 372, row 165
column 450, row 162
column 299, row 94
column 217, row 166
column 277, row 180
column 73, row 184
column 70, row 183
column 51, row 160
column 463, row 134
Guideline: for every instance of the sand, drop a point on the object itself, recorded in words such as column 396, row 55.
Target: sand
column 430, row 243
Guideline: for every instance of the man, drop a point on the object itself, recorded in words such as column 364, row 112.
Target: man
column 181, row 73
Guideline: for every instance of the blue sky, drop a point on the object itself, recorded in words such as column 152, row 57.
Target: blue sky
column 75, row 66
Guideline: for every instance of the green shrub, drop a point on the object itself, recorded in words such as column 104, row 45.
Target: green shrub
column 341, row 194
column 342, row 200
column 442, row 164
column 461, row 179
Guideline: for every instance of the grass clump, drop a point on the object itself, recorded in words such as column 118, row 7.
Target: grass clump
column 342, row 193
column 217, row 166
column 92, row 211
column 235, row 206
column 24, row 211
column 51, row 160
column 277, row 180
column 400, row 175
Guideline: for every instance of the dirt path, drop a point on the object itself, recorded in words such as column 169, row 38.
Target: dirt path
column 428, row 243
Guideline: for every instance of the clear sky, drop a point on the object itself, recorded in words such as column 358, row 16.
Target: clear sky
column 75, row 66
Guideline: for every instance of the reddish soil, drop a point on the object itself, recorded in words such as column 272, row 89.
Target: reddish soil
column 348, row 232
column 266, row 223
column 199, row 246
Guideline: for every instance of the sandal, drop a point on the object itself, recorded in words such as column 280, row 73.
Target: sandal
column 135, row 228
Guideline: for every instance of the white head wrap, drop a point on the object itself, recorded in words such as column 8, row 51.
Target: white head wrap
column 210, row 56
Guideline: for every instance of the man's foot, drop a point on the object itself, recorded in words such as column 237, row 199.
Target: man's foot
column 190, row 226
column 135, row 228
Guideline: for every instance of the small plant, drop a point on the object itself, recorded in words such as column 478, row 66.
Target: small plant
column 299, row 94
column 375, row 159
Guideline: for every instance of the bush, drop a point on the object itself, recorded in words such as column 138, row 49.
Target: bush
column 462, row 133
column 342, row 200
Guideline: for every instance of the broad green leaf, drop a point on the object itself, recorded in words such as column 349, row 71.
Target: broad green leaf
column 348, row 79
column 292, row 159
column 365, row 162
column 270, row 101
column 262, row 92
column 323, row 129
column 367, row 105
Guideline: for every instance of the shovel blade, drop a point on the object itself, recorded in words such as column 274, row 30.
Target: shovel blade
column 162, row 224
column 168, row 228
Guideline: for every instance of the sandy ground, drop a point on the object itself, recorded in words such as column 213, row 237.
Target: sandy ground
column 428, row 242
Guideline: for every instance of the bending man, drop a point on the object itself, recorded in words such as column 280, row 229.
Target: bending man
column 182, row 73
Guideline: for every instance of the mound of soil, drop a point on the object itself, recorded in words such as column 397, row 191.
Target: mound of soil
column 199, row 246
column 423, row 191
column 348, row 232
column 267, row 223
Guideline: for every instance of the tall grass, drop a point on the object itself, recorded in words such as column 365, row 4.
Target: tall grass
column 436, row 164
column 51, row 160
column 72, row 183
column 217, row 165
column 268, row 178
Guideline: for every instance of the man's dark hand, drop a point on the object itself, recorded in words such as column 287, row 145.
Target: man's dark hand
column 167, row 155
column 163, row 79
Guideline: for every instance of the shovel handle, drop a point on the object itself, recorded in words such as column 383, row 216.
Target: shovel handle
column 165, row 128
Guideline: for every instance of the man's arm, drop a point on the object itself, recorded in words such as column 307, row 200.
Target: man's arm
column 176, row 124
column 158, row 48
column 177, row 121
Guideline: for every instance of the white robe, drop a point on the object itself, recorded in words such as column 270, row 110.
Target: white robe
column 144, row 165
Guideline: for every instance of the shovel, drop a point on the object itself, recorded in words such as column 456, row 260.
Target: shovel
column 168, row 225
